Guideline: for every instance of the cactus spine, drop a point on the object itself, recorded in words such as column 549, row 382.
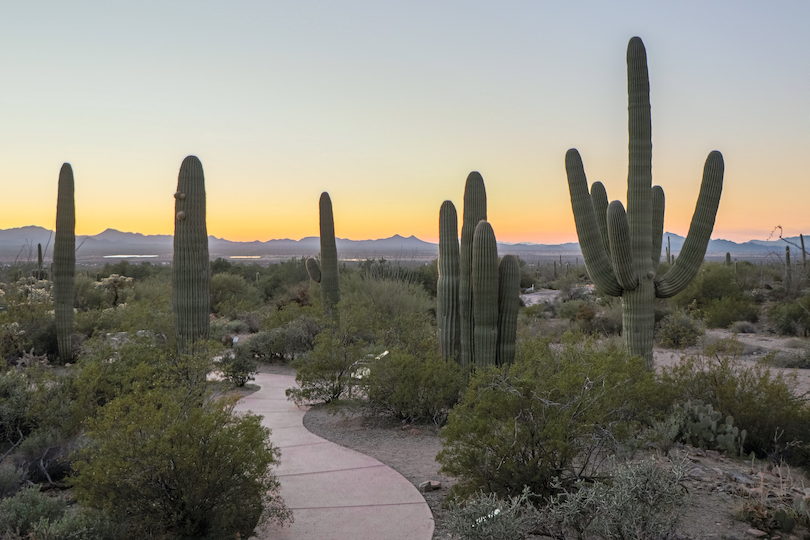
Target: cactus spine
column 330, row 287
column 447, row 308
column 626, row 266
column 508, row 307
column 191, row 266
column 475, row 210
column 64, row 262
column 485, row 295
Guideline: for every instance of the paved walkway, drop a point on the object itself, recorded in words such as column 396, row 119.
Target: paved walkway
column 334, row 493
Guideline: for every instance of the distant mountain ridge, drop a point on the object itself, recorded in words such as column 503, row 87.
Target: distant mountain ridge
column 21, row 243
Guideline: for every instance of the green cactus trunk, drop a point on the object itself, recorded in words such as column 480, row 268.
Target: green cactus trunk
column 447, row 308
column 788, row 271
column 64, row 262
column 508, row 307
column 191, row 265
column 330, row 286
column 728, row 260
column 485, row 295
column 627, row 265
column 39, row 273
column 475, row 210
column 313, row 269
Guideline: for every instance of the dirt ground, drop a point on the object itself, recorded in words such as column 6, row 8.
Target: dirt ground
column 719, row 486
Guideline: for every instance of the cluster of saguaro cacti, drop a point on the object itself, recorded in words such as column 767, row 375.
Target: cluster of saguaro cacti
column 622, row 250
column 64, row 262
column 327, row 272
column 191, row 266
column 477, row 297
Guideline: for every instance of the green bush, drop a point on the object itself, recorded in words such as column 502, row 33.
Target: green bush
column 239, row 368
column 175, row 464
column 11, row 479
column 791, row 318
column 231, row 294
column 20, row 513
column 486, row 517
column 640, row 500
column 525, row 424
column 679, row 330
column 324, row 374
column 411, row 388
column 724, row 312
column 762, row 403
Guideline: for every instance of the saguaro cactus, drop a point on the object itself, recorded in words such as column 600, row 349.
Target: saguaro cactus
column 788, row 271
column 313, row 269
column 475, row 210
column 624, row 262
column 39, row 273
column 330, row 286
column 447, row 309
column 191, row 265
column 485, row 295
column 64, row 262
column 508, row 307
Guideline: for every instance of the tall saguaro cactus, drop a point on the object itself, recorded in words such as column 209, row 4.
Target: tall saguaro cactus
column 330, row 285
column 191, row 265
column 485, row 295
column 447, row 309
column 475, row 210
column 624, row 261
column 64, row 262
column 508, row 307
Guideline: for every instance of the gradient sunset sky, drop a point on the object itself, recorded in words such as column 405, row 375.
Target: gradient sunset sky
column 389, row 105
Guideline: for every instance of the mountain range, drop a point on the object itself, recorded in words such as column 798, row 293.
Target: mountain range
column 20, row 244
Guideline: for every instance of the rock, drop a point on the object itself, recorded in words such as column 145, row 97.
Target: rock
column 756, row 533
column 430, row 485
column 737, row 476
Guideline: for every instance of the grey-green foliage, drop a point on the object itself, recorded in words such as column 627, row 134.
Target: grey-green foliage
column 487, row 517
column 641, row 500
column 704, row 427
column 22, row 512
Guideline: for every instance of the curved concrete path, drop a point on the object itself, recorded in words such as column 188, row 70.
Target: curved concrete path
column 334, row 493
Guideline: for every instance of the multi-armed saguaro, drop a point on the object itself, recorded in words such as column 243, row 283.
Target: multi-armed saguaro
column 622, row 250
column 191, row 265
column 477, row 298
column 64, row 261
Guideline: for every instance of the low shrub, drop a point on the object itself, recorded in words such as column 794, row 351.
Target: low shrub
column 22, row 512
column 553, row 413
column 324, row 374
column 744, row 327
column 414, row 389
column 240, row 367
column 723, row 312
column 678, row 330
column 484, row 516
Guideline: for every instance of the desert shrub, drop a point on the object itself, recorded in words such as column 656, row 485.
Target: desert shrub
column 286, row 342
column 484, row 516
column 251, row 319
column 536, row 311
column 791, row 318
column 412, row 388
column 570, row 310
column 11, row 479
column 714, row 281
column 80, row 523
column 23, row 511
column 240, row 367
column 744, row 327
column 43, row 456
column 607, row 318
column 678, row 330
column 723, row 312
column 639, row 500
column 173, row 463
column 87, row 295
column 760, row 402
column 571, row 286
column 231, row 294
column 324, row 374
column 550, row 414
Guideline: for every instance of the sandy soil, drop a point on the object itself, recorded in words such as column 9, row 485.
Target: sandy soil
column 719, row 486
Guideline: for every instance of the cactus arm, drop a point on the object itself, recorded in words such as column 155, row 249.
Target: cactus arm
column 620, row 255
column 590, row 241
column 447, row 312
column 600, row 206
column 508, row 307
column 694, row 247
column 313, row 269
column 475, row 210
column 485, row 295
column 658, row 202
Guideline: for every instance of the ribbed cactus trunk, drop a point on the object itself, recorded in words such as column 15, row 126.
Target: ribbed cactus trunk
column 330, row 285
column 475, row 210
column 447, row 306
column 728, row 260
column 191, row 265
column 485, row 295
column 626, row 263
column 64, row 262
column 508, row 307
column 39, row 273
column 313, row 269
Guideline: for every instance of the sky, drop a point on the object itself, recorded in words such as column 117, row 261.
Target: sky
column 389, row 105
